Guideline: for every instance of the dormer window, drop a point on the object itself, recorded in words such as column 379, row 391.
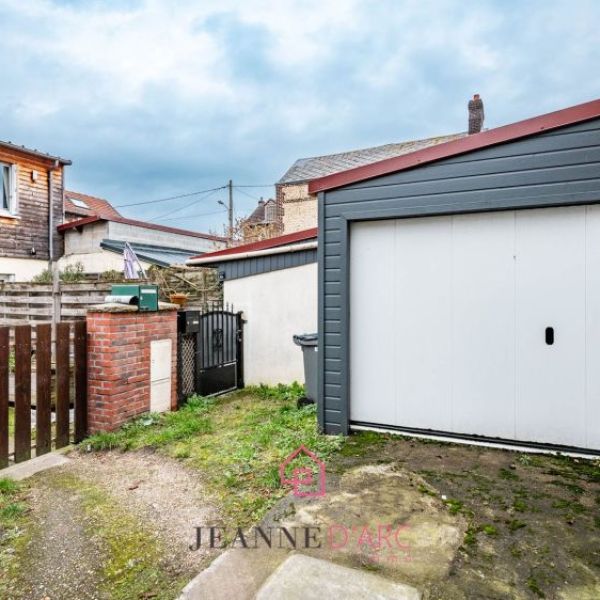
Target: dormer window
column 8, row 189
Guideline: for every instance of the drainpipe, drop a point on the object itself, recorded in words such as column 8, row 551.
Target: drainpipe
column 51, row 265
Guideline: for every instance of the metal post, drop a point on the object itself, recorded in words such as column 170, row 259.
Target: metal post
column 230, row 211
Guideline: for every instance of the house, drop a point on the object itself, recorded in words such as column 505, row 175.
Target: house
column 264, row 222
column 79, row 206
column 459, row 287
column 31, row 206
column 299, row 207
column 97, row 243
column 274, row 283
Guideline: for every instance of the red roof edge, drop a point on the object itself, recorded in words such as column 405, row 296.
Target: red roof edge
column 144, row 224
column 491, row 137
column 276, row 242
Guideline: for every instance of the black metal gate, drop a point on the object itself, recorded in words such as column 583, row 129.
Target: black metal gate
column 210, row 352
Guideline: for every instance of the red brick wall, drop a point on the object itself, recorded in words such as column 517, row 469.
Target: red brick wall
column 119, row 364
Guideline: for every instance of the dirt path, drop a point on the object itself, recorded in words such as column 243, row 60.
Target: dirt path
column 112, row 526
column 63, row 559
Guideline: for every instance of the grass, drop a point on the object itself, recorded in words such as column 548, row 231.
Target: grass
column 13, row 518
column 237, row 442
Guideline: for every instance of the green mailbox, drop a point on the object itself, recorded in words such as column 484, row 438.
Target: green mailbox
column 144, row 296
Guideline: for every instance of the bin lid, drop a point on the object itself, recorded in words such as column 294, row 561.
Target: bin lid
column 306, row 339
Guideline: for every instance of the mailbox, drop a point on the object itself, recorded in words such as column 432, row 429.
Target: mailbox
column 188, row 321
column 144, row 296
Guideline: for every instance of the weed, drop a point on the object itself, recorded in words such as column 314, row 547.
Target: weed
column 570, row 505
column 454, row 506
column 572, row 487
column 427, row 491
column 520, row 505
column 508, row 474
column 515, row 525
column 470, row 538
column 533, row 585
column 490, row 530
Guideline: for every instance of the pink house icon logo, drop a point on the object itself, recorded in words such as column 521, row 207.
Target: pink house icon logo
column 308, row 481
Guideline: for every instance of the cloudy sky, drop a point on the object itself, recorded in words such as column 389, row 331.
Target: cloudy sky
column 156, row 98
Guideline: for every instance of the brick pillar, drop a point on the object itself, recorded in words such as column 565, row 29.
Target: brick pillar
column 119, row 340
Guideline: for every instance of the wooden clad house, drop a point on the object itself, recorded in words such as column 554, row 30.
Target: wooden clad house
column 31, row 207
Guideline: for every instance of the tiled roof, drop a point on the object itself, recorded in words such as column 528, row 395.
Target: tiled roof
column 306, row 169
column 96, row 206
column 465, row 143
column 144, row 224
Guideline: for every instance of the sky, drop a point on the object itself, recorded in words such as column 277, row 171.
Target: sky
column 153, row 98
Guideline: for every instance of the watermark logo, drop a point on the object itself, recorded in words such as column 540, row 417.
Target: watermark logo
column 305, row 472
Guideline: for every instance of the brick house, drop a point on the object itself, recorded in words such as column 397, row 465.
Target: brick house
column 265, row 222
column 31, row 206
column 300, row 208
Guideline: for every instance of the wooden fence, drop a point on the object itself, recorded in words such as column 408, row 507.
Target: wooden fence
column 33, row 303
column 52, row 394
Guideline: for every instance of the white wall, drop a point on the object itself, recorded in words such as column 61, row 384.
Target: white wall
column 96, row 262
column 276, row 306
column 23, row 269
column 131, row 233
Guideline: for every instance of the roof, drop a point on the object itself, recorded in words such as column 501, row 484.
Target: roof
column 477, row 141
column 162, row 256
column 144, row 224
column 95, row 206
column 307, row 169
column 272, row 243
column 34, row 152
column 259, row 214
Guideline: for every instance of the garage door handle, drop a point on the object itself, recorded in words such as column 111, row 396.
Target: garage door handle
column 550, row 336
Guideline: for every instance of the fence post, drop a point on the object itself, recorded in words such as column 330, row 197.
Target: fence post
column 22, row 393
column 80, row 351
column 43, row 401
column 4, row 352
column 56, row 302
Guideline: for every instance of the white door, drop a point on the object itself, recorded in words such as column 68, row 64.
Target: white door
column 449, row 317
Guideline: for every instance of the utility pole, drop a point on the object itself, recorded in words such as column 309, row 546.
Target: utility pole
column 230, row 211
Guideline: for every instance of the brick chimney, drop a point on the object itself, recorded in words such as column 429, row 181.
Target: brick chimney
column 476, row 115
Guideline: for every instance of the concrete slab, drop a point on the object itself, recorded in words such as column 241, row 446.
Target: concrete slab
column 305, row 578
column 235, row 574
column 35, row 465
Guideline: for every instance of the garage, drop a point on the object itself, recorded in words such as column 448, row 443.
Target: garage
column 480, row 324
column 460, row 287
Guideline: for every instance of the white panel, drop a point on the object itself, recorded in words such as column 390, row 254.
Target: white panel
column 160, row 375
column 160, row 359
column 593, row 326
column 373, row 364
column 483, row 328
column 160, row 395
column 422, row 322
column 550, row 283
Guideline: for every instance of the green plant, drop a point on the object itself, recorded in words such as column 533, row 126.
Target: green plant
column 43, row 277
column 112, row 275
column 74, row 273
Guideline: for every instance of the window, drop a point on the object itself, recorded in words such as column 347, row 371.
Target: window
column 8, row 189
column 79, row 203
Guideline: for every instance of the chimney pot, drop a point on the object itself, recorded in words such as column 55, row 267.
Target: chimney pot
column 476, row 114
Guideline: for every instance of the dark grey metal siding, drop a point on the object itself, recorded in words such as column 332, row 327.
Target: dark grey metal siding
column 556, row 168
column 245, row 267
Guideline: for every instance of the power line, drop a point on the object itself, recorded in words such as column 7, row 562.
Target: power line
column 171, row 197
column 204, row 197
column 206, row 214
column 268, row 185
column 247, row 194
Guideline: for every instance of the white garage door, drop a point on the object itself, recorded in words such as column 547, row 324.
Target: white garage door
column 485, row 324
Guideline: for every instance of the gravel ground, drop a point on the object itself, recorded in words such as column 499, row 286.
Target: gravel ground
column 65, row 559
